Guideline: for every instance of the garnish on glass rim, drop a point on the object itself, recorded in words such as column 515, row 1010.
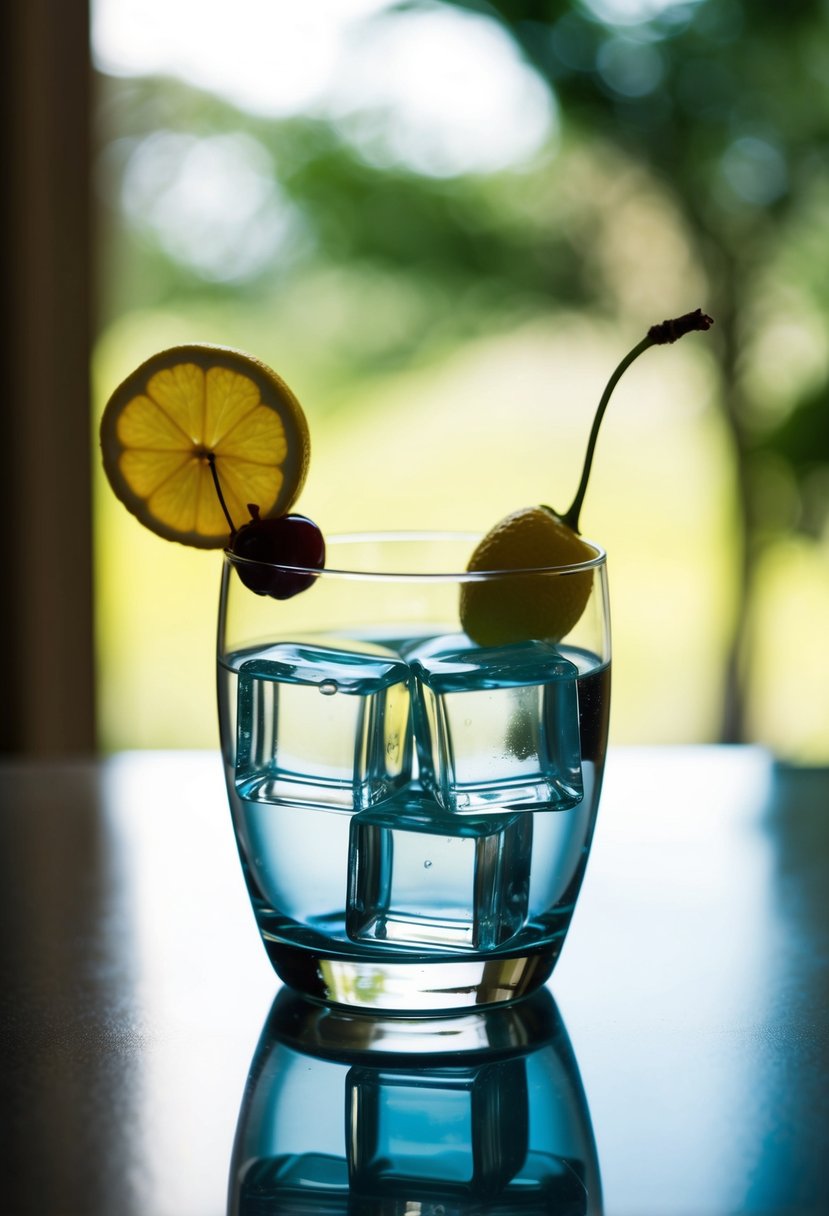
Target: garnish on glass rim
column 498, row 613
column 192, row 436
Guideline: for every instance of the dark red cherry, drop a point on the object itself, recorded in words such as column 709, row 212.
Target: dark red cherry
column 286, row 540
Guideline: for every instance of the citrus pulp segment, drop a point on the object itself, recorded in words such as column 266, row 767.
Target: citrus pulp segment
column 536, row 605
column 191, row 407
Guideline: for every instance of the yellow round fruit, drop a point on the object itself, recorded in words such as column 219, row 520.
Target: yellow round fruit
column 191, row 407
column 535, row 605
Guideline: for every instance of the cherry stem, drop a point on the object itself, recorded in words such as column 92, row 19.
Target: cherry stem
column 657, row 335
column 211, row 460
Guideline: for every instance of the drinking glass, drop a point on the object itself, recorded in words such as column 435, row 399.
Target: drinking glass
column 413, row 811
column 482, row 1111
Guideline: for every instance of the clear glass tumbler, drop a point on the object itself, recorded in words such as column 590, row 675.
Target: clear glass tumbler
column 479, row 1112
column 413, row 811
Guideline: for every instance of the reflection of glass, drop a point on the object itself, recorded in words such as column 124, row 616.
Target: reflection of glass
column 356, row 1114
column 413, row 811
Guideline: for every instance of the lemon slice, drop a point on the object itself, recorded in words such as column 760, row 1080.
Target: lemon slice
column 498, row 612
column 191, row 407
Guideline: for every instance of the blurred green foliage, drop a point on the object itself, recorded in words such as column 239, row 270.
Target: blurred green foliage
column 718, row 108
column 726, row 103
column 458, row 254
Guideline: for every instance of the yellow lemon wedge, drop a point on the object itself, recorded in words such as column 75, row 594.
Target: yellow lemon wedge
column 538, row 605
column 189, row 412
column 498, row 612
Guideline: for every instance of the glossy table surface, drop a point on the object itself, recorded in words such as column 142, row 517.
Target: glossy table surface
column 693, row 986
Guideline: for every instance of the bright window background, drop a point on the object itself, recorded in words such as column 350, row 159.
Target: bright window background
column 237, row 152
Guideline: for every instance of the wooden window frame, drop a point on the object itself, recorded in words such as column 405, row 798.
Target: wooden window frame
column 46, row 590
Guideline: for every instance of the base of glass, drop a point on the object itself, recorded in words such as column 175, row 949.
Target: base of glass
column 417, row 988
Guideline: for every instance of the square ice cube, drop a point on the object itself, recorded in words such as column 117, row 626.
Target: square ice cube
column 497, row 726
column 419, row 879
column 459, row 1131
column 323, row 727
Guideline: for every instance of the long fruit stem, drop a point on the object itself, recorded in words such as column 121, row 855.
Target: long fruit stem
column 657, row 335
column 211, row 460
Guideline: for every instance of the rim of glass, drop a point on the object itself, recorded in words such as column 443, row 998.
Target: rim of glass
column 364, row 538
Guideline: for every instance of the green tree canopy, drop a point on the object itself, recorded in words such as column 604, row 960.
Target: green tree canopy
column 720, row 106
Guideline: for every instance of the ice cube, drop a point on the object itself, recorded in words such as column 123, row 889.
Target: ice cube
column 460, row 1131
column 419, row 879
column 498, row 726
column 323, row 727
